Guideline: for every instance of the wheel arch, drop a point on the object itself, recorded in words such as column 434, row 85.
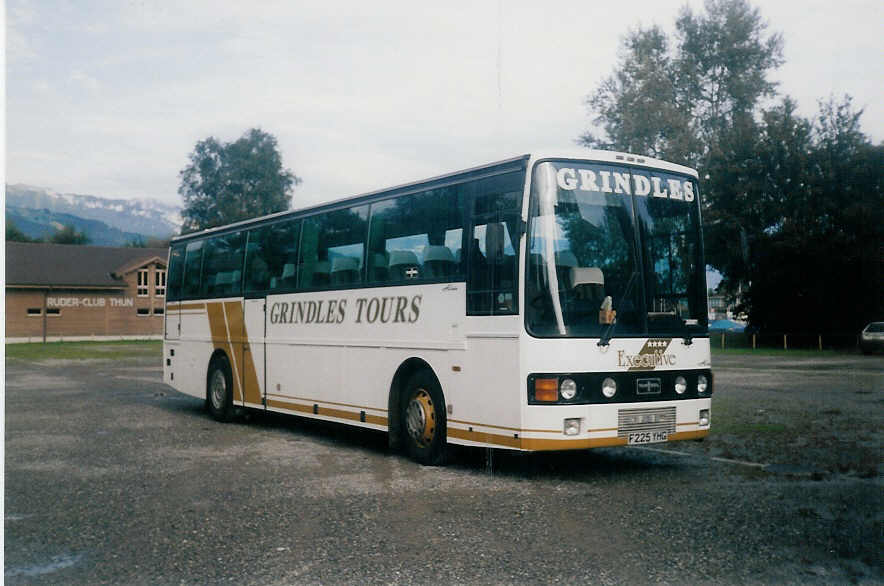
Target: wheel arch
column 394, row 403
column 216, row 354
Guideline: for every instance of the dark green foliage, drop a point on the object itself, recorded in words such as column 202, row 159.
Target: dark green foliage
column 69, row 235
column 797, row 220
column 673, row 103
column 640, row 107
column 793, row 208
column 13, row 234
column 228, row 182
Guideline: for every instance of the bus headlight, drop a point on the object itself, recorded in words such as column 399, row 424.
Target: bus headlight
column 572, row 426
column 702, row 384
column 568, row 389
column 681, row 385
column 609, row 387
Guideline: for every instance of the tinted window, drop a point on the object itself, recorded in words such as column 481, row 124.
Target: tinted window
column 193, row 261
column 581, row 249
column 222, row 266
column 493, row 272
column 272, row 257
column 669, row 229
column 176, row 265
column 332, row 247
column 416, row 237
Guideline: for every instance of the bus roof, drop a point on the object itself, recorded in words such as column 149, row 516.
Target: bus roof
column 613, row 157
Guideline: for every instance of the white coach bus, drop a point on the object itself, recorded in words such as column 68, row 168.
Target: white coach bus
column 544, row 302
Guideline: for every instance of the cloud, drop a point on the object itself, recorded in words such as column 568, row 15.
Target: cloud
column 359, row 95
column 85, row 80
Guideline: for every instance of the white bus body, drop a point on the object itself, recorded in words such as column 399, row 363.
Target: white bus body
column 346, row 354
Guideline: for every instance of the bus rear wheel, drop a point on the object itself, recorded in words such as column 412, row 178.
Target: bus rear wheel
column 219, row 389
column 423, row 416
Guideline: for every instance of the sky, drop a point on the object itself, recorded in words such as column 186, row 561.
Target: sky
column 109, row 98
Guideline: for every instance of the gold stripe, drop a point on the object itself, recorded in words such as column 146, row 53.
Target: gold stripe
column 543, row 445
column 220, row 340
column 689, row 423
column 488, row 438
column 235, row 350
column 328, row 412
column 235, row 321
column 240, row 335
column 688, row 435
column 326, row 402
column 519, row 430
column 516, row 429
column 576, row 444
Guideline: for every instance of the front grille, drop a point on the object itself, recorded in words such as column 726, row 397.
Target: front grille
column 648, row 386
column 631, row 420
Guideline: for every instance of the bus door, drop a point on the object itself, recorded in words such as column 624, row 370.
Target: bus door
column 174, row 277
column 253, row 352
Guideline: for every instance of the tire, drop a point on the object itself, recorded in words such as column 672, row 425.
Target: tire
column 424, row 423
column 219, row 389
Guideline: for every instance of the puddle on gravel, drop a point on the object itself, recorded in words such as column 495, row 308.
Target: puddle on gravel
column 58, row 562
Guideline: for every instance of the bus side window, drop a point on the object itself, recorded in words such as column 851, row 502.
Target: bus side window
column 222, row 266
column 193, row 263
column 176, row 267
column 283, row 254
column 269, row 251
column 493, row 269
column 332, row 248
column 256, row 270
column 416, row 237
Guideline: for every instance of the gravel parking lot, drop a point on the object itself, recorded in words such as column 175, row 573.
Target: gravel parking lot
column 111, row 477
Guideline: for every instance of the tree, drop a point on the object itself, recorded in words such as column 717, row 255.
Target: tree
column 150, row 242
column 13, row 234
column 793, row 208
column 69, row 235
column 640, row 107
column 722, row 64
column 228, row 182
column 674, row 103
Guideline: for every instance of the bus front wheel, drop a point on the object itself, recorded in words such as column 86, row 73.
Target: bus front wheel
column 219, row 393
column 423, row 415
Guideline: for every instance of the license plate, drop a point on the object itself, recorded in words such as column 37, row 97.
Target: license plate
column 648, row 437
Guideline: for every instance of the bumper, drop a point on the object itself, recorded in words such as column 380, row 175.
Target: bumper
column 579, row 427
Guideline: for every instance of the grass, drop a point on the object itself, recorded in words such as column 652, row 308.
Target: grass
column 797, row 353
column 747, row 429
column 85, row 350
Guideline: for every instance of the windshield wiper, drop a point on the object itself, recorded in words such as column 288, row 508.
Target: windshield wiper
column 609, row 333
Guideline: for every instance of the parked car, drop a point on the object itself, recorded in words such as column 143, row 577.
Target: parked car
column 872, row 337
column 726, row 325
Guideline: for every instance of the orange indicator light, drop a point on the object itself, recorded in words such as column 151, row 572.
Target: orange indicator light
column 546, row 389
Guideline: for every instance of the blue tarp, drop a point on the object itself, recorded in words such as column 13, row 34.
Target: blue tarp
column 726, row 325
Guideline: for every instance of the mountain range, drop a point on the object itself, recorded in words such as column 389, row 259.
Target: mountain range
column 39, row 212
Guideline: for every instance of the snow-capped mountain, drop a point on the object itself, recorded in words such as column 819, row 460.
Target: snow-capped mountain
column 149, row 217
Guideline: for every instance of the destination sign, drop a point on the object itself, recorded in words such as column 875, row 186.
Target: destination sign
column 628, row 183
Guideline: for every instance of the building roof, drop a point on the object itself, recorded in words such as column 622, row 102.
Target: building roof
column 72, row 265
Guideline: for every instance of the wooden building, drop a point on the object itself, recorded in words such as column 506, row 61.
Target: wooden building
column 71, row 292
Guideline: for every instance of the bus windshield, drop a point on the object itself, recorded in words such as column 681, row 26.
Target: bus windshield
column 613, row 250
